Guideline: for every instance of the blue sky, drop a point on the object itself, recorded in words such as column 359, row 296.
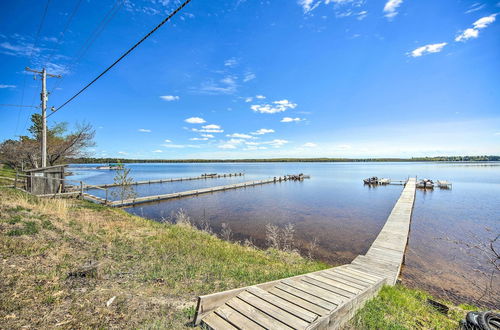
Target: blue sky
column 236, row 78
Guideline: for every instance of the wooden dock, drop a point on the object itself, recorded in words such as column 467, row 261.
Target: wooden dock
column 318, row 300
column 147, row 199
column 201, row 177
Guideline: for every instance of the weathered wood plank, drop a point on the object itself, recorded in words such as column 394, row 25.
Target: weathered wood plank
column 299, row 301
column 314, row 299
column 317, row 291
column 214, row 321
column 235, row 317
column 256, row 315
column 275, row 312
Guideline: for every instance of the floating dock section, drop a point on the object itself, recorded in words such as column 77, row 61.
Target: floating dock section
column 324, row 299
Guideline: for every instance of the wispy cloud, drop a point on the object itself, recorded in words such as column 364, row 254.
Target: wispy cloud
column 310, row 145
column 263, row 131
column 195, row 120
column 158, row 151
column 212, row 128
column 428, row 49
column 274, row 107
column 168, row 141
column 169, row 98
column 232, row 62
column 475, row 7
column 240, row 136
column 226, row 85
column 7, row 86
column 144, row 130
column 249, row 76
column 391, row 8
column 180, row 146
column 291, row 120
column 472, row 33
column 260, row 97
column 199, row 139
column 207, row 135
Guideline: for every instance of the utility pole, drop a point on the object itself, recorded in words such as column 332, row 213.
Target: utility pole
column 44, row 98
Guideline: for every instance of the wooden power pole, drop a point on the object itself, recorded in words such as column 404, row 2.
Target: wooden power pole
column 44, row 98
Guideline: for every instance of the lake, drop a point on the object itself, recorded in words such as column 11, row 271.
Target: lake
column 342, row 214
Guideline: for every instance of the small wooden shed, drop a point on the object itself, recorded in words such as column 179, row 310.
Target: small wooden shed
column 46, row 180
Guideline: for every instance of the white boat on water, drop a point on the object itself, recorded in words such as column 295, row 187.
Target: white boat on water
column 425, row 184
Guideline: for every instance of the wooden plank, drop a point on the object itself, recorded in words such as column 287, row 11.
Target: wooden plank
column 342, row 279
column 321, row 302
column 297, row 301
column 349, row 277
column 332, row 285
column 316, row 291
column 275, row 312
column 214, row 321
column 236, row 318
column 300, row 312
column 363, row 273
column 256, row 315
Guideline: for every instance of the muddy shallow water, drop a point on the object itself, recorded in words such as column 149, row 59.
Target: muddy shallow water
column 342, row 214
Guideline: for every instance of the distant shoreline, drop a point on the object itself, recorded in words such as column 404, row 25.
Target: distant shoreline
column 463, row 159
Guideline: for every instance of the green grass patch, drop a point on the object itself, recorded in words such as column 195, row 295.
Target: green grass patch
column 29, row 228
column 398, row 307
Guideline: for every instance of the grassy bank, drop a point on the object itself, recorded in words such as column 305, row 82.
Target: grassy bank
column 154, row 271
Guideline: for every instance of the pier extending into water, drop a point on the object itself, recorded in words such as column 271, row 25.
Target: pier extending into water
column 154, row 198
column 201, row 177
column 318, row 300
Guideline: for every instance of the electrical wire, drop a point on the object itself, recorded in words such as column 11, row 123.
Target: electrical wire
column 125, row 54
column 91, row 39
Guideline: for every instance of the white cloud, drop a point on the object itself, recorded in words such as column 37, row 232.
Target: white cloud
column 158, row 151
column 211, row 126
column 226, row 85
column 7, row 86
column 274, row 107
column 249, row 76
column 209, row 129
column 180, row 146
column 467, row 34
column 240, row 136
column 472, row 33
column 484, row 21
column 263, row 131
column 308, row 5
column 169, row 97
column 232, row 62
column 19, row 49
column 391, row 8
column 199, row 139
column 475, row 7
column 277, row 143
column 143, row 130
column 290, row 119
column 310, row 145
column 195, row 120
column 428, row 49
column 207, row 135
column 248, row 99
column 227, row 146
column 362, row 15
column 168, row 141
column 122, row 153
column 260, row 97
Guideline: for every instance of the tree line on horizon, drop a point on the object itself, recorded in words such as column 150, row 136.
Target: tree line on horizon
column 92, row 160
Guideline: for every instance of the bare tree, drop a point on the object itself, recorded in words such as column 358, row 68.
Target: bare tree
column 124, row 189
column 273, row 236
column 60, row 144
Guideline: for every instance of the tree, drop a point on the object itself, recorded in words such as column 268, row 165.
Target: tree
column 124, row 189
column 60, row 144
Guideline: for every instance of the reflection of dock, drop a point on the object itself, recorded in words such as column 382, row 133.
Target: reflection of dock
column 319, row 300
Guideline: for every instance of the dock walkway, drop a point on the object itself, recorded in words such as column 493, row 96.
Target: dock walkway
column 318, row 300
column 146, row 199
column 201, row 177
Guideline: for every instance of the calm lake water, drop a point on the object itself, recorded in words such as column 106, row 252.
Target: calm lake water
column 345, row 216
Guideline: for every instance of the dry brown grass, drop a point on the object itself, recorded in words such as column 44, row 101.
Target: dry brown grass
column 154, row 270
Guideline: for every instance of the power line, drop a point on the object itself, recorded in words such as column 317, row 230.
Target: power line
column 17, row 105
column 125, row 54
column 91, row 39
column 37, row 38
column 63, row 32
